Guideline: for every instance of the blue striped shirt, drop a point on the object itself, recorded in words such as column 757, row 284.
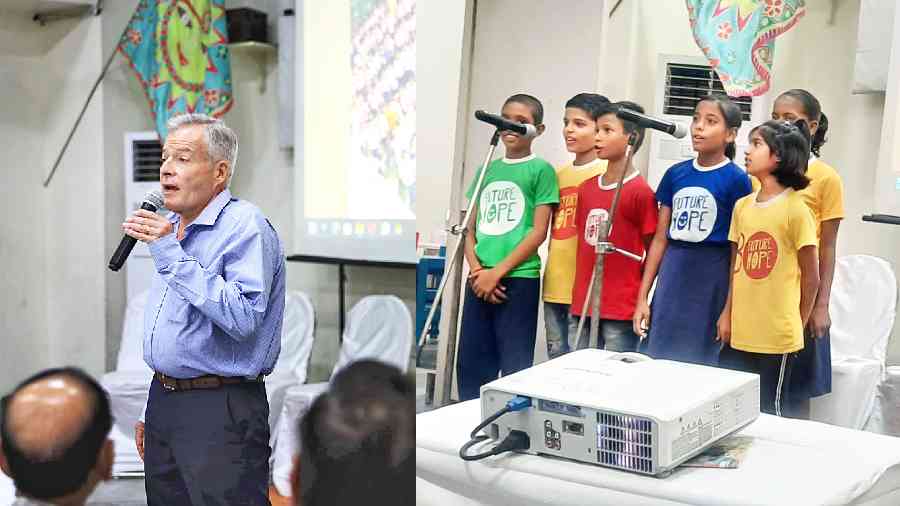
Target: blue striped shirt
column 217, row 301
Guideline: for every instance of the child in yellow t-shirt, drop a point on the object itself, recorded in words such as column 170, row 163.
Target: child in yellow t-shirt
column 774, row 264
column 825, row 198
column 579, row 129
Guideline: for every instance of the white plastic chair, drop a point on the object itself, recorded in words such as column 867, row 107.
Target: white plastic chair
column 7, row 489
column 297, row 335
column 129, row 384
column 862, row 308
column 379, row 327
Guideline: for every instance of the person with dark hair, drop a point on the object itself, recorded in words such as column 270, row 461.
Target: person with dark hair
column 579, row 130
column 797, row 104
column 532, row 103
column 631, row 230
column 54, row 428
column 358, row 441
column 775, row 267
column 512, row 214
column 825, row 197
column 629, row 127
column 690, row 247
column 784, row 140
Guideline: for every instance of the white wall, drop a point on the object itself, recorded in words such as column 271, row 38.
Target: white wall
column 51, row 242
column 816, row 55
column 440, row 36
column 553, row 60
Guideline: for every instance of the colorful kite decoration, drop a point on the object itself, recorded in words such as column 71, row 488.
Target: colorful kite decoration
column 738, row 38
column 179, row 52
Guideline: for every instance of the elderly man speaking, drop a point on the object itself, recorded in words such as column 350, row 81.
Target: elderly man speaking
column 212, row 327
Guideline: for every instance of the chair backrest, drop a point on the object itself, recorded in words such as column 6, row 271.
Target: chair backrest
column 7, row 490
column 131, row 348
column 296, row 335
column 863, row 306
column 379, row 327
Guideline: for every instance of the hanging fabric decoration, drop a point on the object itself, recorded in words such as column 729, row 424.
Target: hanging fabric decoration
column 179, row 52
column 738, row 38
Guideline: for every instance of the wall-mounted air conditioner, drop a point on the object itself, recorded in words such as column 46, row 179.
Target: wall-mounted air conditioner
column 143, row 153
column 681, row 82
column 873, row 45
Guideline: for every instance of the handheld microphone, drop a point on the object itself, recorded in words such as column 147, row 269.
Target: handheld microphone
column 672, row 128
column 153, row 200
column 526, row 130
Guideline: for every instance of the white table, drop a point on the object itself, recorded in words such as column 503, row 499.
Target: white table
column 790, row 462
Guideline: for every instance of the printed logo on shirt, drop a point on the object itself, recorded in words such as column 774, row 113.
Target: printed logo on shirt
column 501, row 208
column 595, row 218
column 564, row 221
column 759, row 254
column 694, row 212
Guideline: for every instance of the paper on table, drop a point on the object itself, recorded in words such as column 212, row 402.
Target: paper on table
column 726, row 454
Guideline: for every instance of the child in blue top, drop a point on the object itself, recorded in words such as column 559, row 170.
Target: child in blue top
column 690, row 250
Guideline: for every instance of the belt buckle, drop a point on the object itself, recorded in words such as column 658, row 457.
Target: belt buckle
column 168, row 384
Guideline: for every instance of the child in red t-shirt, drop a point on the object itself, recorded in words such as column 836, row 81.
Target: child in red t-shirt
column 632, row 230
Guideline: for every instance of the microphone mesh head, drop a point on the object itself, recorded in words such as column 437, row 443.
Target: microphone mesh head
column 154, row 197
column 530, row 131
column 680, row 130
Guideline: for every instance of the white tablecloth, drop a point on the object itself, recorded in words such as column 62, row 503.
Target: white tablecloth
column 790, row 462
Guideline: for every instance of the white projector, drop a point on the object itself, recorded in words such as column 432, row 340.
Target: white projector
column 623, row 410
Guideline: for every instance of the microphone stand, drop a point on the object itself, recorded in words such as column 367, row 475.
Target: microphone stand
column 455, row 262
column 604, row 247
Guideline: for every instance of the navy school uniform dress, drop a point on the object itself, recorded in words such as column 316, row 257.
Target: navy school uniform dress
column 692, row 283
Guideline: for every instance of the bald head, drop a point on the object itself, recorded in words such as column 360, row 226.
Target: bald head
column 54, row 426
column 48, row 415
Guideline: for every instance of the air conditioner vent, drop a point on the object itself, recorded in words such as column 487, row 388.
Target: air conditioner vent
column 686, row 84
column 146, row 160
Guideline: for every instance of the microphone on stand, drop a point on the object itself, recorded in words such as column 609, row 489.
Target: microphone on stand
column 677, row 130
column 153, row 200
column 524, row 129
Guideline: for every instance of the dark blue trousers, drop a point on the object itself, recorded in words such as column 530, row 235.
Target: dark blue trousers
column 774, row 376
column 497, row 337
column 207, row 447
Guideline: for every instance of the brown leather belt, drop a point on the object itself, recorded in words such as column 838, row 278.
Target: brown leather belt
column 203, row 382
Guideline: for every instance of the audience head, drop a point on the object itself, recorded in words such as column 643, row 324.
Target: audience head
column 357, row 442
column 54, row 429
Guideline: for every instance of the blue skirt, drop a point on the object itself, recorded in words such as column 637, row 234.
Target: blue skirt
column 691, row 290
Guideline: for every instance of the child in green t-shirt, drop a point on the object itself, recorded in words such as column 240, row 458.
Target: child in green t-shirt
column 513, row 213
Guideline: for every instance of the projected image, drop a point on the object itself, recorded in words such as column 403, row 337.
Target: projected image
column 382, row 169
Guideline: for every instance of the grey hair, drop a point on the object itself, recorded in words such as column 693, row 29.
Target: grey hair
column 221, row 141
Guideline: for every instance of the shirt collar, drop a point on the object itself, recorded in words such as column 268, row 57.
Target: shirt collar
column 592, row 163
column 703, row 168
column 512, row 161
column 210, row 212
column 613, row 185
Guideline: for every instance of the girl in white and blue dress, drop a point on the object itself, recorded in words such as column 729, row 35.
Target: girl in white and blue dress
column 690, row 255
